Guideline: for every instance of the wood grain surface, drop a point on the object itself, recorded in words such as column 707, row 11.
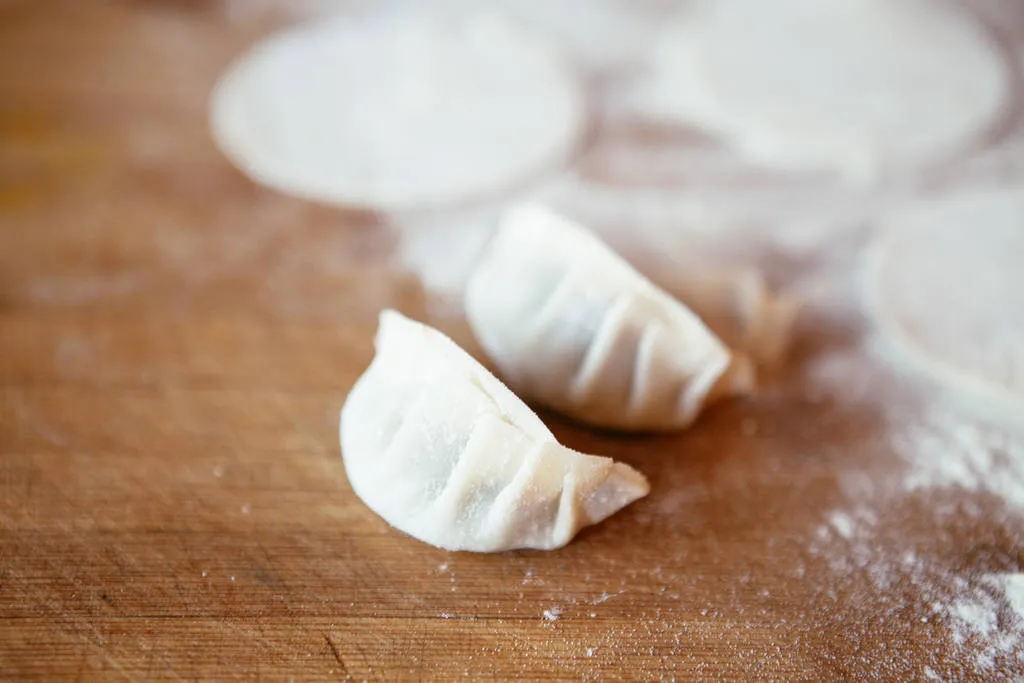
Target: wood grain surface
column 175, row 345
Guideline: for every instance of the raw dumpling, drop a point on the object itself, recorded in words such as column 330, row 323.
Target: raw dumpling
column 573, row 326
column 740, row 308
column 443, row 451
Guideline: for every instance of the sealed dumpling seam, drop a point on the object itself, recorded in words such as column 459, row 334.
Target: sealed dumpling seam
column 442, row 450
column 572, row 326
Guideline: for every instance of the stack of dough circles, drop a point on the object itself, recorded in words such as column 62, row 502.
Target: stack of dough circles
column 946, row 287
column 395, row 111
column 859, row 86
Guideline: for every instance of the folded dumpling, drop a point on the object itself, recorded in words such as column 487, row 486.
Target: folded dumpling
column 738, row 306
column 572, row 326
column 443, row 451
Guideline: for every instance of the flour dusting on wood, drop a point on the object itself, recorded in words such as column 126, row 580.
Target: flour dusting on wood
column 909, row 470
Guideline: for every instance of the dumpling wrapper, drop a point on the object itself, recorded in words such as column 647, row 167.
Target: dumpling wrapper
column 574, row 327
column 859, row 87
column 944, row 284
column 737, row 305
column 398, row 110
column 442, row 450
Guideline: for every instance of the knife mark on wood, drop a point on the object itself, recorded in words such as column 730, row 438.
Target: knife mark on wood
column 337, row 655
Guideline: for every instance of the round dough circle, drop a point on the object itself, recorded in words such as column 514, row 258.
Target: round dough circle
column 946, row 286
column 858, row 86
column 397, row 111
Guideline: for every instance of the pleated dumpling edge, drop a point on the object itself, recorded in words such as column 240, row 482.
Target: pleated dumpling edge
column 573, row 326
column 443, row 451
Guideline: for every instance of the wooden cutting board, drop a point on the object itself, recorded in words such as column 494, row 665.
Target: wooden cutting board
column 175, row 345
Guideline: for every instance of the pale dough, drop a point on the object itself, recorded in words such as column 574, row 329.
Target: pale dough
column 859, row 86
column 573, row 326
column 442, row 450
column 398, row 110
column 738, row 306
column 946, row 287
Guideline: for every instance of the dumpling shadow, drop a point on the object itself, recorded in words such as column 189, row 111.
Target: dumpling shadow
column 759, row 465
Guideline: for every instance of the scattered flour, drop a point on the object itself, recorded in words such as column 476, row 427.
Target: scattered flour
column 977, row 617
column 441, row 249
column 660, row 199
column 945, row 449
column 842, row 523
column 605, row 597
column 940, row 449
column 981, row 613
column 1013, row 586
column 952, row 469
column 973, row 616
column 530, row 578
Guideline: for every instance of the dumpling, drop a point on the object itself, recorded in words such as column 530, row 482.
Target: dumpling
column 738, row 306
column 574, row 327
column 443, row 451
